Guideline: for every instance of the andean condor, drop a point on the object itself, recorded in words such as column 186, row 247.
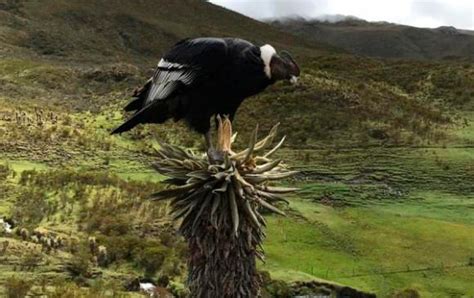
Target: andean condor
column 204, row 77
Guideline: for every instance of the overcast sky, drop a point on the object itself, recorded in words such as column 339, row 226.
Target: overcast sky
column 420, row 13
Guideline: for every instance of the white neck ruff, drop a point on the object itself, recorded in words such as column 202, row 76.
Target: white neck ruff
column 266, row 53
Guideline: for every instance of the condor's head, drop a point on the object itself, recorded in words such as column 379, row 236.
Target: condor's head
column 279, row 66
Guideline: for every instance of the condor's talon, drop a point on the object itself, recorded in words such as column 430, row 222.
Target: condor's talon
column 215, row 156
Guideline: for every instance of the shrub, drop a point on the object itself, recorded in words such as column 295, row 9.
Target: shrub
column 17, row 287
column 30, row 207
column 407, row 293
column 79, row 266
column 5, row 171
column 62, row 289
column 178, row 290
column 122, row 247
column 108, row 224
column 102, row 288
column 151, row 259
column 278, row 288
column 31, row 260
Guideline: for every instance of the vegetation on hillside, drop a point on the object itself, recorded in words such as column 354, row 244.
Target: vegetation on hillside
column 382, row 39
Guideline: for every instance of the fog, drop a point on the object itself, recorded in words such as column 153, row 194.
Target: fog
column 420, row 13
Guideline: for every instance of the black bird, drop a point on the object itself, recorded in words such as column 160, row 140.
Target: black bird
column 204, row 77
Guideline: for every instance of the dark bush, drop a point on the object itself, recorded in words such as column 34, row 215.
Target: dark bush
column 278, row 288
column 17, row 287
column 110, row 225
column 79, row 266
column 122, row 248
column 5, row 171
column 407, row 293
column 151, row 259
column 31, row 206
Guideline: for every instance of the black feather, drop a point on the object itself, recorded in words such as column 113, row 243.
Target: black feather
column 134, row 105
column 197, row 79
column 139, row 97
column 155, row 112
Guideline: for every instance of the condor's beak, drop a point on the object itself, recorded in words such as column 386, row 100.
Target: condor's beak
column 283, row 67
column 294, row 80
column 294, row 69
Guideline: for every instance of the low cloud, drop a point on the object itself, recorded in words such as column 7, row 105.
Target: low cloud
column 459, row 13
column 421, row 13
column 263, row 9
column 334, row 18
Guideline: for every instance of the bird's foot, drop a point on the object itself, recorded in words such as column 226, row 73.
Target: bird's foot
column 215, row 156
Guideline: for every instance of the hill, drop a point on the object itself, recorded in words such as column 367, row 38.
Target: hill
column 122, row 31
column 382, row 39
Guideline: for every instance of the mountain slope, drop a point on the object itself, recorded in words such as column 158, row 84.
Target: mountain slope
column 118, row 30
column 89, row 56
column 385, row 40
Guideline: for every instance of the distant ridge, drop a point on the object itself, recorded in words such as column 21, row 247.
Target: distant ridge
column 383, row 39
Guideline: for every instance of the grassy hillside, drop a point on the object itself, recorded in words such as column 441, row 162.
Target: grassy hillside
column 384, row 149
column 382, row 220
column 122, row 31
column 387, row 40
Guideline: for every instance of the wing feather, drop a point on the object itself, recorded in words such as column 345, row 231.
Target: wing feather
column 187, row 64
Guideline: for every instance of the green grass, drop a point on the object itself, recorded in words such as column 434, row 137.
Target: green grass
column 23, row 165
column 336, row 244
column 370, row 218
column 464, row 134
column 132, row 170
column 438, row 206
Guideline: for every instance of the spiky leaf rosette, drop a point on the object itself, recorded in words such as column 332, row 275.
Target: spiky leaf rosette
column 219, row 207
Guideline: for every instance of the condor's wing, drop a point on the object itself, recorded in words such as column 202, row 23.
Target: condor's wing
column 187, row 64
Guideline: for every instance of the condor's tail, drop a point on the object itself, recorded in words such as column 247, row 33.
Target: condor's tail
column 139, row 97
column 154, row 103
column 155, row 112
